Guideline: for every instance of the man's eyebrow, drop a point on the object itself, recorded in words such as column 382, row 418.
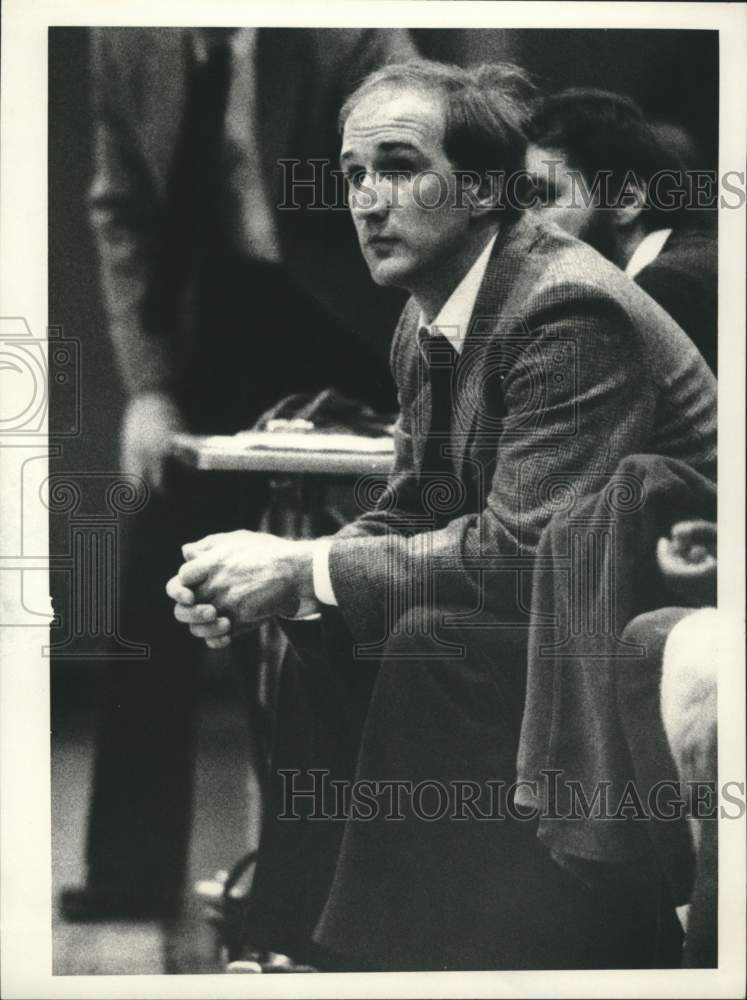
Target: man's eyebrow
column 388, row 147
column 385, row 147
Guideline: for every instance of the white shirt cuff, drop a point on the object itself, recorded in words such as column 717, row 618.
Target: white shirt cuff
column 322, row 581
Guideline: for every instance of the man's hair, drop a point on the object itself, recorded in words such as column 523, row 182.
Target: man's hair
column 600, row 131
column 486, row 110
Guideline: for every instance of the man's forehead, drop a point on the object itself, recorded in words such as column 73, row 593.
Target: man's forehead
column 388, row 115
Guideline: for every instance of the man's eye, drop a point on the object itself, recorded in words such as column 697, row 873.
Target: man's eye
column 355, row 178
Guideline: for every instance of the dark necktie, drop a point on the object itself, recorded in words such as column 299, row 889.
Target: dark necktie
column 440, row 359
column 200, row 182
column 191, row 236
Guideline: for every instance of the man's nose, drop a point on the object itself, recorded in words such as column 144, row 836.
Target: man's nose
column 374, row 197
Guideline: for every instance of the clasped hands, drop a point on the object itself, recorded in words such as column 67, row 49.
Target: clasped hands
column 232, row 582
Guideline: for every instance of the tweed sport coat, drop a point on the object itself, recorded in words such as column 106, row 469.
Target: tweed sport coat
column 139, row 90
column 567, row 367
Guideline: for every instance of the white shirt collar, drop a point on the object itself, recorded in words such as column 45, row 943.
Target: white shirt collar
column 647, row 251
column 453, row 319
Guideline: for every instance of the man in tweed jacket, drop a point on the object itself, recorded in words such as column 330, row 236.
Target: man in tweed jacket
column 527, row 368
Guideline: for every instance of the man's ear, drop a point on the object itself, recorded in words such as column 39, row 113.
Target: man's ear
column 486, row 195
column 631, row 202
column 478, row 192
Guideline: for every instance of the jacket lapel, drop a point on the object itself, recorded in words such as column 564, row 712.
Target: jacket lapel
column 481, row 359
column 421, row 415
column 413, row 385
column 478, row 360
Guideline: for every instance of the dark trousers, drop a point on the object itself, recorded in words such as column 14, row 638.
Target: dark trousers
column 140, row 810
column 261, row 338
column 404, row 885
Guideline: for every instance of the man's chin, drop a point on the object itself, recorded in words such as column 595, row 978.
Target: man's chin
column 388, row 275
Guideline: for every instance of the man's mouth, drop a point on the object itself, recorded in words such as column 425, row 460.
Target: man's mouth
column 381, row 243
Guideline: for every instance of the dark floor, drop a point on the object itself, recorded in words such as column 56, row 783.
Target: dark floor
column 222, row 831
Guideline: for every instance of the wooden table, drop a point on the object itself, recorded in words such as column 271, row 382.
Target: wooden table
column 239, row 453
column 300, row 476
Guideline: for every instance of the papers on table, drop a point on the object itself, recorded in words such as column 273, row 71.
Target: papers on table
column 305, row 441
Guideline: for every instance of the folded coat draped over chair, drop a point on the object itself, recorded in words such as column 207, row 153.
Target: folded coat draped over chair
column 595, row 571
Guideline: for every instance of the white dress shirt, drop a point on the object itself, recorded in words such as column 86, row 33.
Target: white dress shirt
column 451, row 322
column 647, row 251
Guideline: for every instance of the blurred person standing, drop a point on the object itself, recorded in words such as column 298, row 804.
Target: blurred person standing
column 224, row 292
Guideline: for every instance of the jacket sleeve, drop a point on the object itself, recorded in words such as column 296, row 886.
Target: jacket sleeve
column 577, row 401
column 125, row 214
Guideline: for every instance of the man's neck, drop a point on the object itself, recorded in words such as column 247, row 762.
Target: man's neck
column 433, row 293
